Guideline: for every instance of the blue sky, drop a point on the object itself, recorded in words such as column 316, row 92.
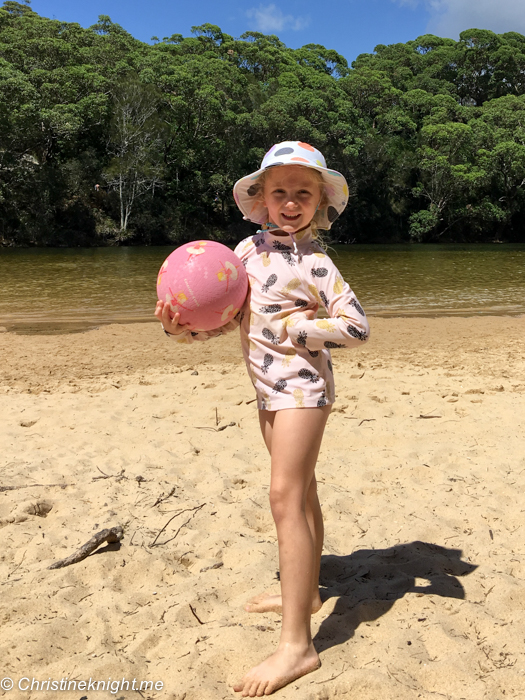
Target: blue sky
column 350, row 27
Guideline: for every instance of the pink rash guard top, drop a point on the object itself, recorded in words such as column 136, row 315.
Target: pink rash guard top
column 286, row 354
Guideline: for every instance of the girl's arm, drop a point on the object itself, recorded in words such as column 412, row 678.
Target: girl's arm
column 347, row 325
column 182, row 334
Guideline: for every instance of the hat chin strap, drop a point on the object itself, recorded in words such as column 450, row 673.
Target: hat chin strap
column 268, row 225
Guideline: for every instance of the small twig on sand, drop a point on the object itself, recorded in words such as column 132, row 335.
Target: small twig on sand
column 332, row 677
column 24, row 556
column 428, row 416
column 365, row 420
column 118, row 476
column 163, row 498
column 30, row 486
column 109, row 535
column 186, row 510
column 216, row 430
column 195, row 614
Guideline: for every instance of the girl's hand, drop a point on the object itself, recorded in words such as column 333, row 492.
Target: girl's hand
column 311, row 313
column 162, row 312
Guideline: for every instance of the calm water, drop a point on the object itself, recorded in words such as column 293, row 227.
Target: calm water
column 70, row 289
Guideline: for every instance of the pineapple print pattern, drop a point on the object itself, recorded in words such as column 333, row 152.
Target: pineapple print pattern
column 302, row 338
column 307, row 374
column 288, row 354
column 319, row 272
column 315, row 293
column 357, row 306
column 356, row 333
column 272, row 279
column 272, row 309
column 280, row 385
column 292, row 284
column 338, row 285
column 288, row 322
column 325, row 301
column 325, row 325
column 268, row 360
column 299, row 398
column 285, row 252
column 267, row 333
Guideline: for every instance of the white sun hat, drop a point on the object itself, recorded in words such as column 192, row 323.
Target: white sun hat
column 246, row 189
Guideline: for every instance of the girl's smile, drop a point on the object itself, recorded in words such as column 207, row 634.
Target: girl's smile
column 291, row 194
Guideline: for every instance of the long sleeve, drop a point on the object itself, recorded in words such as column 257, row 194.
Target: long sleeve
column 346, row 326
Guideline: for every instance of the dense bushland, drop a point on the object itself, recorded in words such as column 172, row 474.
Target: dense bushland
column 107, row 140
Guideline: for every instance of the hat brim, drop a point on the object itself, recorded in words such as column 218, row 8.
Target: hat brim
column 246, row 194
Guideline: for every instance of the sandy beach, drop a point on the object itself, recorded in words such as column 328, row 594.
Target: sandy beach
column 421, row 475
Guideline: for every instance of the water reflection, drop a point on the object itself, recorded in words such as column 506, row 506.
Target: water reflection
column 83, row 287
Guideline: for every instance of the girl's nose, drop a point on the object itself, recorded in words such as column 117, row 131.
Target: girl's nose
column 290, row 204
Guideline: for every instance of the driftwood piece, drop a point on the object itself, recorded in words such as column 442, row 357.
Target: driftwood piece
column 110, row 535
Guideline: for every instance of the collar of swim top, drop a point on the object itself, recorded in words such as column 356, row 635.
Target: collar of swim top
column 301, row 237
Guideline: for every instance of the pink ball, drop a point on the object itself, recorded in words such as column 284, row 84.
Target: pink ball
column 205, row 282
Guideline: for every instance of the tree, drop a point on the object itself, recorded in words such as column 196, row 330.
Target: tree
column 135, row 145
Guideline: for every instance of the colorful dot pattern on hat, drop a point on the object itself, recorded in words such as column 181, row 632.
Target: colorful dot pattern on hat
column 247, row 189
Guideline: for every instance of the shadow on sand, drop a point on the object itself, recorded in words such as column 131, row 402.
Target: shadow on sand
column 369, row 581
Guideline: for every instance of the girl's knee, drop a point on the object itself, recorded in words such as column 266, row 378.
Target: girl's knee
column 284, row 503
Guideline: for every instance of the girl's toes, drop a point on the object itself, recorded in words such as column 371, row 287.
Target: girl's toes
column 239, row 686
column 262, row 689
column 251, row 689
column 246, row 688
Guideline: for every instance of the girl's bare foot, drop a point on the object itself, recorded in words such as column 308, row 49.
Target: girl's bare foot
column 268, row 602
column 284, row 666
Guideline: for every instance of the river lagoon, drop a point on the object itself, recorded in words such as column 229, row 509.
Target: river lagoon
column 74, row 288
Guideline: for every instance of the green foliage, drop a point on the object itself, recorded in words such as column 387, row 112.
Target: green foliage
column 105, row 139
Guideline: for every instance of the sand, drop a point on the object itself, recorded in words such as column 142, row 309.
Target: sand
column 422, row 475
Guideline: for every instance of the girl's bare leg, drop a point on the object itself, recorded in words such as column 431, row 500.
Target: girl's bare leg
column 267, row 602
column 296, row 436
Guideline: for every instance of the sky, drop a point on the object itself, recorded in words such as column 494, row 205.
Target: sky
column 351, row 27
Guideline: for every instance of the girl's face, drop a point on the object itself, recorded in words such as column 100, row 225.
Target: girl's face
column 291, row 195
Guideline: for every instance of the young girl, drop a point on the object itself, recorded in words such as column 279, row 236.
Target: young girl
column 287, row 353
